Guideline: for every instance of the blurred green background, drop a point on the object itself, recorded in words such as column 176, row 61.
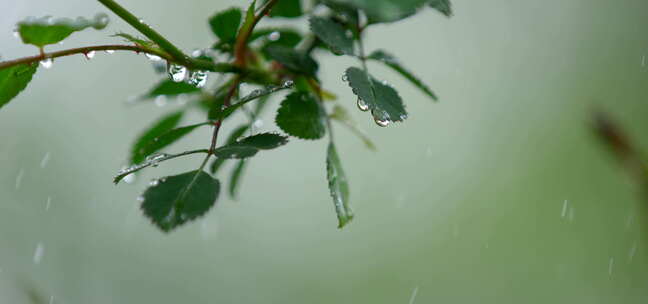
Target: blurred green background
column 462, row 203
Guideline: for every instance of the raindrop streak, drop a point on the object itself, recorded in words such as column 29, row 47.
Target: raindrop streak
column 49, row 203
column 51, row 300
column 90, row 55
column 19, row 178
column 564, row 209
column 46, row 63
column 643, row 60
column 45, row 160
column 571, row 214
column 177, row 73
column 152, row 57
column 198, row 78
column 38, row 253
column 633, row 251
column 611, row 266
column 413, row 296
column 362, row 105
column 274, row 36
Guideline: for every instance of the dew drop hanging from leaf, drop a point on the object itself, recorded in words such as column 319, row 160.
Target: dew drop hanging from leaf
column 198, row 78
column 362, row 105
column 47, row 63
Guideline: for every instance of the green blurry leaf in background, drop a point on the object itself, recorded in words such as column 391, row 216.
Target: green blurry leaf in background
column 15, row 79
column 299, row 115
column 382, row 100
column 163, row 125
column 287, row 9
column 341, row 115
column 293, row 60
column 333, row 34
column 235, row 178
column 45, row 30
column 338, row 186
column 225, row 24
column 392, row 62
column 443, row 6
column 174, row 200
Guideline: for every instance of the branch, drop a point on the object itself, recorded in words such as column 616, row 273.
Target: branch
column 154, row 161
column 241, row 40
column 83, row 50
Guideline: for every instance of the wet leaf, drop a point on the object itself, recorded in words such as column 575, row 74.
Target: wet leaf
column 299, row 115
column 162, row 126
column 45, row 30
column 14, row 80
column 175, row 200
column 443, row 6
column 250, row 145
column 338, row 186
column 236, row 133
column 333, row 34
column 383, row 101
column 392, row 62
column 225, row 24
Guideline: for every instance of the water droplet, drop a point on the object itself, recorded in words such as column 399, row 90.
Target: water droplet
column 47, row 63
column 345, row 78
column 154, row 183
column 152, row 57
column 382, row 122
column 110, row 51
column 274, row 36
column 19, row 178
column 160, row 101
column 45, row 160
column 197, row 53
column 130, row 178
column 90, row 55
column 140, row 198
column 177, row 73
column 38, row 253
column 16, row 34
column 362, row 105
column 348, row 33
column 288, row 83
column 198, row 78
column 258, row 123
column 384, row 82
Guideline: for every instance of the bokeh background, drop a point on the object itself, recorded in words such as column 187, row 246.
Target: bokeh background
column 497, row 194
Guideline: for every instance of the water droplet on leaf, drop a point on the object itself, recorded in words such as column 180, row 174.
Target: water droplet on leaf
column 362, row 105
column 382, row 122
column 274, row 36
column 152, row 57
column 110, row 51
column 90, row 55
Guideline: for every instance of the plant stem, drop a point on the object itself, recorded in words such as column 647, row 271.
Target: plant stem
column 82, row 50
column 241, row 40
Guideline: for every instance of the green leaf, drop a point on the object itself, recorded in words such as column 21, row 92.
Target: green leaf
column 333, row 34
column 218, row 112
column 384, row 102
column 292, row 59
column 299, row 115
column 14, row 80
column 175, row 200
column 340, row 115
column 249, row 18
column 169, row 88
column 287, row 9
column 338, row 186
column 236, row 133
column 250, row 146
column 392, row 62
column 162, row 126
column 443, row 6
column 45, row 30
column 383, row 10
column 225, row 24
column 160, row 142
column 235, row 178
